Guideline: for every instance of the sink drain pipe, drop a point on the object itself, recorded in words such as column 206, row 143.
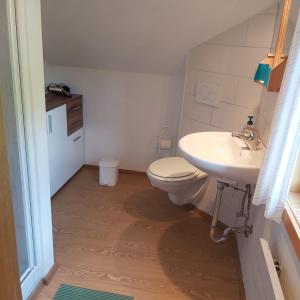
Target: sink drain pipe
column 245, row 229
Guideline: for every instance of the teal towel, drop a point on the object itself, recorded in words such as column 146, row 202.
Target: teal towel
column 263, row 74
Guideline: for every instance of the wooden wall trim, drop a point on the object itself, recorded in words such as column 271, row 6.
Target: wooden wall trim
column 293, row 235
column 47, row 279
column 124, row 171
column 9, row 275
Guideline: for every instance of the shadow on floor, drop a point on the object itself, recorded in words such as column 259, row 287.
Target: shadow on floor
column 197, row 266
column 191, row 263
column 154, row 205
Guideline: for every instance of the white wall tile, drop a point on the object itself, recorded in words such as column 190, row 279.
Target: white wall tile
column 228, row 88
column 241, row 61
column 263, row 128
column 192, row 77
column 248, row 93
column 230, row 61
column 209, row 77
column 206, row 57
column 186, row 127
column 230, row 117
column 268, row 105
column 260, row 31
column 235, row 36
column 197, row 111
column 201, row 127
column 190, row 126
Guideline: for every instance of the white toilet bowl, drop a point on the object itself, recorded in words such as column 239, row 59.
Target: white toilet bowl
column 182, row 181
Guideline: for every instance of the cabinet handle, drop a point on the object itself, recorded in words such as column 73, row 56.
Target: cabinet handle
column 77, row 138
column 50, row 124
column 76, row 124
column 76, row 108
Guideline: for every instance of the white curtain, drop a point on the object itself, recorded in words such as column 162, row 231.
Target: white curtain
column 282, row 150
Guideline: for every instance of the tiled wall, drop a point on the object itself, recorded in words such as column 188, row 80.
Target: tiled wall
column 266, row 111
column 229, row 60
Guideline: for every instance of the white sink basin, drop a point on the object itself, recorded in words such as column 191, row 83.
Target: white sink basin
column 221, row 156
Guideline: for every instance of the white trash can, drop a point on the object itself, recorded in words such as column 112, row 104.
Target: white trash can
column 108, row 172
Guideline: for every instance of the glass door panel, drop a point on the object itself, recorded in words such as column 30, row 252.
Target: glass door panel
column 16, row 148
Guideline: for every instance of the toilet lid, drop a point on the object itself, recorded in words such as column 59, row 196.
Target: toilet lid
column 172, row 167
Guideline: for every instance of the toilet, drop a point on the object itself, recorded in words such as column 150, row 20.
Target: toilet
column 182, row 181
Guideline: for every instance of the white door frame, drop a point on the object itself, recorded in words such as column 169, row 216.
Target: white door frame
column 25, row 34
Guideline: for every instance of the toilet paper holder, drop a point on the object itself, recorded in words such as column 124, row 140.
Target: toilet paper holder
column 164, row 141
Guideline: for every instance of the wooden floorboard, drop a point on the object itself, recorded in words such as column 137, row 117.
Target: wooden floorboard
column 132, row 240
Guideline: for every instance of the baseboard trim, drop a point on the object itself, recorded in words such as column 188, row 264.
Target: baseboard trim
column 44, row 281
column 47, row 279
column 35, row 293
column 91, row 166
column 124, row 171
column 133, row 172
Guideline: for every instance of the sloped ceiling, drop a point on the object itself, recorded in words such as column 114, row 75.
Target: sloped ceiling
column 150, row 36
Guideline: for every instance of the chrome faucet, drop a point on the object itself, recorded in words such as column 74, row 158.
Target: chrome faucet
column 249, row 135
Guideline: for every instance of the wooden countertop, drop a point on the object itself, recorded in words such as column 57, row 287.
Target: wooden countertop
column 53, row 100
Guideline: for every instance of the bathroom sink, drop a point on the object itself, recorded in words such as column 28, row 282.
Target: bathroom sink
column 222, row 156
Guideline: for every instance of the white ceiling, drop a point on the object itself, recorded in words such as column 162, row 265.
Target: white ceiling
column 150, row 36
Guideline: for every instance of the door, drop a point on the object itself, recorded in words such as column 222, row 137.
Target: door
column 22, row 92
column 9, row 275
column 16, row 152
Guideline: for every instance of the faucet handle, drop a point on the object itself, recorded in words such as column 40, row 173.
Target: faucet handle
column 249, row 128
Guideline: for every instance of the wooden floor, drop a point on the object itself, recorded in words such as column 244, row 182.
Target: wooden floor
column 132, row 240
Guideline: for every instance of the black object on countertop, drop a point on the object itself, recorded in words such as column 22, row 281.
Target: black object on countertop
column 59, row 89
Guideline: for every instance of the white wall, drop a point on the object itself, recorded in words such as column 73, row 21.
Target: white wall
column 123, row 112
column 229, row 60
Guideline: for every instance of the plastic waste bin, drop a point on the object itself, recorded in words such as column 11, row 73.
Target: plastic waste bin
column 108, row 171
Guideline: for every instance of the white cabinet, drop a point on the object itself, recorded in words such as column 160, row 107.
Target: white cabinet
column 66, row 153
column 74, row 159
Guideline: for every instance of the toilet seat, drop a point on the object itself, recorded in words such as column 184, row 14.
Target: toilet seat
column 173, row 169
column 182, row 181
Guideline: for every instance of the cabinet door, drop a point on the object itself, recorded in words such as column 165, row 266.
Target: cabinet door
column 57, row 138
column 75, row 147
